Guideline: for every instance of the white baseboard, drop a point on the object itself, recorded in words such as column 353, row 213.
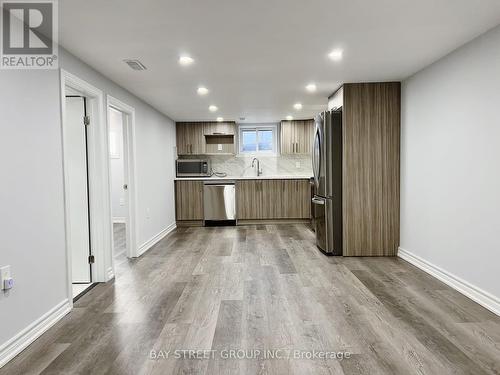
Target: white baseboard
column 118, row 220
column 476, row 294
column 20, row 341
column 155, row 239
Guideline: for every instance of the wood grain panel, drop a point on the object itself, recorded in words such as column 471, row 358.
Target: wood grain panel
column 212, row 144
column 189, row 200
column 296, row 136
column 273, row 199
column 287, row 138
column 190, row 138
column 248, row 199
column 304, row 133
column 219, row 128
column 371, row 141
column 271, row 196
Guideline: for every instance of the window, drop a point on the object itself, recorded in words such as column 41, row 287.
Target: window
column 258, row 139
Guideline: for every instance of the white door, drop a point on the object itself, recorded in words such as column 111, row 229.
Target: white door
column 79, row 233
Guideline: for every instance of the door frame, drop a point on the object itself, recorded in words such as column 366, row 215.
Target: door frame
column 98, row 172
column 129, row 151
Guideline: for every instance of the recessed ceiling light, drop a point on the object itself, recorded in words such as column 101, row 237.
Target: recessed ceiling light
column 311, row 87
column 220, row 119
column 185, row 60
column 336, row 55
column 289, row 118
column 202, row 90
column 213, row 108
column 297, row 106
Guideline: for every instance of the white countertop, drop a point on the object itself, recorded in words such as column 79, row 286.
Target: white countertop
column 271, row 177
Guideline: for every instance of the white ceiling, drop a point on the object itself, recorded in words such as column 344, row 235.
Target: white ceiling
column 256, row 56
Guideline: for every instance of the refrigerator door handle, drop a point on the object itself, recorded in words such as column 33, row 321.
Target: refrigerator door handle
column 316, row 154
column 316, row 200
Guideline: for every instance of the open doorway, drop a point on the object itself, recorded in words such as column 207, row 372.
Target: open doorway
column 86, row 186
column 119, row 186
column 77, row 160
column 121, row 121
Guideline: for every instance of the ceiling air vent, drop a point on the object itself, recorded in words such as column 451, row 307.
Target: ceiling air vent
column 135, row 64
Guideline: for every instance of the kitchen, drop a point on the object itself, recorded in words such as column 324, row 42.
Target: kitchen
column 338, row 172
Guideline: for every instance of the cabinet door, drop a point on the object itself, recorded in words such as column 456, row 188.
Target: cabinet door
column 182, row 139
column 304, row 198
column 249, row 199
column 304, row 133
column 197, row 139
column 287, row 137
column 189, row 200
column 190, row 138
column 218, row 128
column 271, row 197
column 290, row 208
column 296, row 199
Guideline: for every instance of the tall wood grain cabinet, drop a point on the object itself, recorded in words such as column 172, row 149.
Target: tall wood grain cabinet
column 296, row 137
column 370, row 188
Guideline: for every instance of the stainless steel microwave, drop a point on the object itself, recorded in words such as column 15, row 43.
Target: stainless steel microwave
column 193, row 168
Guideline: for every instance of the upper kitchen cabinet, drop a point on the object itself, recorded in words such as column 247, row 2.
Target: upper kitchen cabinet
column 219, row 137
column 205, row 138
column 297, row 137
column 218, row 128
column 190, row 138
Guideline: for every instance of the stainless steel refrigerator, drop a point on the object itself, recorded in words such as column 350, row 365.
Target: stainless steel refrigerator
column 327, row 170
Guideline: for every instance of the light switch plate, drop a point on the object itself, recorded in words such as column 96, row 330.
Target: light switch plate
column 5, row 276
column 219, row 147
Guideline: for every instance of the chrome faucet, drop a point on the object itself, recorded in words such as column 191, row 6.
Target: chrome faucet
column 259, row 171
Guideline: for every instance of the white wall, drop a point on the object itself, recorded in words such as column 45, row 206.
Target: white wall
column 450, row 174
column 31, row 197
column 116, row 165
column 32, row 225
column 155, row 142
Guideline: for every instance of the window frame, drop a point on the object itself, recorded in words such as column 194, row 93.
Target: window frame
column 256, row 127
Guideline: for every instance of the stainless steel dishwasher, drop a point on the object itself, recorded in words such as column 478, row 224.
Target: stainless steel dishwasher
column 219, row 205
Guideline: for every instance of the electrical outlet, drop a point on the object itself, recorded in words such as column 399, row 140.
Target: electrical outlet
column 219, row 147
column 297, row 164
column 6, row 281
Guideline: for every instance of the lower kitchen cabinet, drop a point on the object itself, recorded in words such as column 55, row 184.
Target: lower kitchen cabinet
column 273, row 199
column 189, row 200
column 296, row 199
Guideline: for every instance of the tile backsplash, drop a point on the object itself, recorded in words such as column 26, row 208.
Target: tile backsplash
column 241, row 166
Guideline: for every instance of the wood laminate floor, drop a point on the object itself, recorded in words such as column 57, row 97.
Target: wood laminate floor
column 266, row 287
column 119, row 243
